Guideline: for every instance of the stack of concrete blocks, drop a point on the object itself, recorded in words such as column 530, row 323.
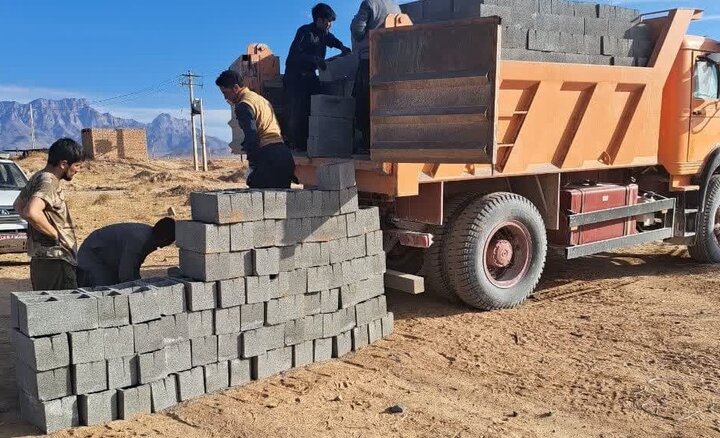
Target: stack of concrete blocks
column 552, row 30
column 338, row 79
column 331, row 131
column 269, row 281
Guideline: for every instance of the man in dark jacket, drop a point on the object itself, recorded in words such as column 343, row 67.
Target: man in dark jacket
column 370, row 16
column 114, row 254
column 307, row 54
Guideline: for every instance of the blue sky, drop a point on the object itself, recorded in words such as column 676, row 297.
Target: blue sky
column 101, row 49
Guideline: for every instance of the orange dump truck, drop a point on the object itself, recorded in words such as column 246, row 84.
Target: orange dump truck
column 481, row 165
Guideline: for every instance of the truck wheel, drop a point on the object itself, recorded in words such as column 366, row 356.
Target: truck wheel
column 437, row 281
column 707, row 243
column 496, row 251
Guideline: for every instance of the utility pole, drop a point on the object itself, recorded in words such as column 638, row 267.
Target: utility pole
column 188, row 80
column 202, row 135
column 32, row 126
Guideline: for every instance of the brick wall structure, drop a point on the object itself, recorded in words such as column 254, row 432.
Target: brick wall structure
column 123, row 143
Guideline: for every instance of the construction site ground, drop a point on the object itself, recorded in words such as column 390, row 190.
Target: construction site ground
column 625, row 344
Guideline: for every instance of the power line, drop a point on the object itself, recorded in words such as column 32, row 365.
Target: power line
column 148, row 90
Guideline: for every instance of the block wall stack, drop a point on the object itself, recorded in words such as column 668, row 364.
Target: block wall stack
column 268, row 281
column 331, row 130
column 115, row 143
column 132, row 144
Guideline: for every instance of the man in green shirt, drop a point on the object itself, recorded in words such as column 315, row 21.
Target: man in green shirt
column 52, row 244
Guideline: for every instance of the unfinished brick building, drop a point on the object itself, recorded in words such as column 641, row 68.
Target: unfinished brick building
column 115, row 143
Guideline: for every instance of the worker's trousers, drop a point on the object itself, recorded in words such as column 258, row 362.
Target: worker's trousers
column 361, row 93
column 273, row 167
column 299, row 90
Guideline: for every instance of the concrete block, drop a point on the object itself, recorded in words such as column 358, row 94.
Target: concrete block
column 43, row 385
column 591, row 45
column 375, row 331
column 55, row 313
column 330, row 203
column 312, row 303
column 623, row 61
column 341, row 344
column 288, row 257
column 514, row 37
column 164, row 394
column 341, row 321
column 325, row 229
column 175, row 328
column 336, row 176
column 371, row 310
column 322, row 349
column 331, row 128
column 388, row 324
column 171, row 296
column 118, row 342
column 325, row 147
column 263, row 339
column 318, row 279
column 240, row 372
column 200, row 296
column 378, row 264
column 211, row 207
column 544, row 41
column 178, row 357
column 300, row 204
column 329, row 301
column 597, row 26
column 358, row 246
column 284, row 309
column 191, row 383
column 113, row 309
column 252, row 316
column 132, row 401
column 303, row 329
column 247, row 205
column 275, row 204
column 293, row 231
column 585, row 10
column 619, row 29
column 350, row 275
column 298, row 282
column 151, row 367
column 343, row 67
column 373, row 243
column 89, row 377
column 313, row 254
column 201, row 237
column 348, row 200
column 600, row 60
column 303, row 354
column 363, row 221
column 98, row 408
column 332, row 106
column 42, row 354
column 266, row 232
column 229, row 346
column 217, row 376
column 242, row 235
column 49, row 416
column 201, row 324
column 144, row 305
column 227, row 321
column 27, row 296
column 562, row 7
column 203, row 267
column 337, row 278
column 360, row 337
column 555, row 23
column 123, row 372
column 148, row 336
column 272, row 362
column 642, row 48
column 86, row 346
column 266, row 261
column 204, row 350
column 259, row 289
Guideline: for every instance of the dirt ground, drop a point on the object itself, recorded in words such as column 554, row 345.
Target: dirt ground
column 616, row 345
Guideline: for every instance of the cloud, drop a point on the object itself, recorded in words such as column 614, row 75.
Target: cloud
column 25, row 94
column 714, row 17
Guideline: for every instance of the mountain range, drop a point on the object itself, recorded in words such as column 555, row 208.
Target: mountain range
column 166, row 135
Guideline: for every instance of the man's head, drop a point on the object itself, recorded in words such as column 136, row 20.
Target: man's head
column 231, row 84
column 66, row 156
column 164, row 232
column 323, row 16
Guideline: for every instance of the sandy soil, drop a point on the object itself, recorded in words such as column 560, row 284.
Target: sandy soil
column 617, row 345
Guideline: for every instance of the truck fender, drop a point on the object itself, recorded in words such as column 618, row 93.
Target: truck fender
column 710, row 168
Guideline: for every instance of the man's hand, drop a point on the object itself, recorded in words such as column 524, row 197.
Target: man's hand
column 345, row 50
column 321, row 64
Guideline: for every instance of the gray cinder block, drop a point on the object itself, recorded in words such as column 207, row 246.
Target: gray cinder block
column 231, row 293
column 312, row 303
column 294, row 231
column 266, row 261
column 151, row 367
column 49, row 416
column 623, row 61
column 191, row 383
column 204, row 350
column 86, row 346
column 242, row 235
column 303, row 354
column 240, row 372
column 164, row 393
column 258, row 289
column 371, row 310
column 341, row 344
column 348, row 200
column 288, row 256
column 137, row 400
column 329, row 301
column 43, row 385
column 200, row 296
column 322, row 350
column 200, row 324
column 265, row 232
column 388, row 324
column 544, row 41
column 318, row 279
column 148, row 336
column 313, row 254
column 201, row 237
column 364, row 221
column 374, row 243
column 562, row 7
column 375, row 331
column 300, row 204
column 330, row 203
column 247, row 205
column 358, row 246
column 337, row 278
column 144, row 305
column 252, row 316
column 324, row 128
column 360, row 337
column 55, row 313
column 258, row 341
column 586, row 10
column 341, row 321
column 303, row 329
column 175, row 328
column 178, row 357
column 15, row 297
column 272, row 362
column 113, row 308
column 89, row 377
column 98, row 408
column 227, row 321
column 336, row 176
column 211, row 207
column 217, row 376
column 123, row 372
column 170, row 294
column 42, row 354
column 229, row 346
column 118, row 342
column 275, row 204
column 597, row 26
column 284, row 309
column 332, row 106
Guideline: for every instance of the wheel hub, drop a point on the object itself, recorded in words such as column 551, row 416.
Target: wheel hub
column 501, row 253
column 508, row 254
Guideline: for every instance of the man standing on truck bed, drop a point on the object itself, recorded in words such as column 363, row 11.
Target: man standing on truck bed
column 370, row 16
column 271, row 163
column 52, row 244
column 307, row 54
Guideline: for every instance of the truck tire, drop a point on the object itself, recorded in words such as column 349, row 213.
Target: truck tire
column 496, row 251
column 707, row 243
column 434, row 269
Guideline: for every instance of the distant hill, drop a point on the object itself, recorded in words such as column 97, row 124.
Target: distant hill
column 167, row 136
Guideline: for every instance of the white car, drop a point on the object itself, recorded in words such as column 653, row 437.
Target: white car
column 13, row 229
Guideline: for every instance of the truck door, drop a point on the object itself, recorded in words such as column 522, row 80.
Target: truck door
column 705, row 107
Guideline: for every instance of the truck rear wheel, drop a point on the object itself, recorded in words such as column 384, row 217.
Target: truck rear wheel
column 496, row 251
column 434, row 270
column 707, row 239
